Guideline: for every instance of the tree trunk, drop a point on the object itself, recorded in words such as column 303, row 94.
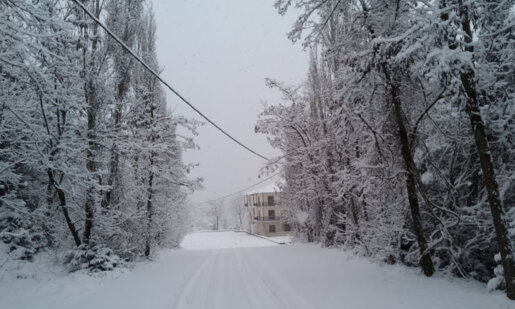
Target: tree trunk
column 490, row 183
column 487, row 165
column 114, row 176
column 425, row 259
column 151, row 176
column 90, row 163
column 122, row 88
column 92, row 109
column 148, row 242
column 64, row 208
column 50, row 172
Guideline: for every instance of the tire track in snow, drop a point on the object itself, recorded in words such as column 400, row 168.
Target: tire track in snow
column 251, row 291
column 188, row 293
column 225, row 280
column 267, row 282
column 238, row 278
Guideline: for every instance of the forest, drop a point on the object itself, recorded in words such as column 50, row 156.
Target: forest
column 400, row 144
column 91, row 160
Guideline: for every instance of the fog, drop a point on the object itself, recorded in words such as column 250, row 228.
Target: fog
column 217, row 54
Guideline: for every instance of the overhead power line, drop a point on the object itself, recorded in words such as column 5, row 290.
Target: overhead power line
column 110, row 33
column 237, row 192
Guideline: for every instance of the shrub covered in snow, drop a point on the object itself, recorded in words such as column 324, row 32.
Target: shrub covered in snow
column 96, row 258
column 24, row 236
column 497, row 282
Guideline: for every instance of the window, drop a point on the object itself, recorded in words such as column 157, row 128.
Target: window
column 271, row 228
column 270, row 201
column 271, row 214
column 287, row 228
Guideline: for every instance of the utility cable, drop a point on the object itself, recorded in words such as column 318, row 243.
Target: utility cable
column 110, row 33
column 237, row 192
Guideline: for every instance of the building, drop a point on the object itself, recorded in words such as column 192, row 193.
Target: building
column 263, row 206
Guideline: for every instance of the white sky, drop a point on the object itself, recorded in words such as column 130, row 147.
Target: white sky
column 217, row 54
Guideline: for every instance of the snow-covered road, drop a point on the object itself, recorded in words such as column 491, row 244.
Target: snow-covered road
column 241, row 271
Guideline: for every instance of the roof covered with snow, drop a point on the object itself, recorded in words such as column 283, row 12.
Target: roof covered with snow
column 271, row 187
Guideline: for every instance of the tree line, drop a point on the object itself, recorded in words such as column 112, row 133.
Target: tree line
column 90, row 156
column 400, row 143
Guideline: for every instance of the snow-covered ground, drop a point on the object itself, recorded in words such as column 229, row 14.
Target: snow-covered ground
column 281, row 239
column 221, row 240
column 259, row 274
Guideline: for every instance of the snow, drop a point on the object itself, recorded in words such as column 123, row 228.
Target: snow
column 281, row 239
column 252, row 276
column 427, row 177
column 220, row 240
column 302, row 216
column 270, row 188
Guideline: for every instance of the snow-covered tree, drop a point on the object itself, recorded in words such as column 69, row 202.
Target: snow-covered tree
column 90, row 153
column 398, row 143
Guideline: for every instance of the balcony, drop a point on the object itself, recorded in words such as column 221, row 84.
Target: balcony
column 264, row 204
column 274, row 218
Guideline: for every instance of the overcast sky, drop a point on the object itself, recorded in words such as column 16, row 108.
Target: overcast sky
column 217, row 54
